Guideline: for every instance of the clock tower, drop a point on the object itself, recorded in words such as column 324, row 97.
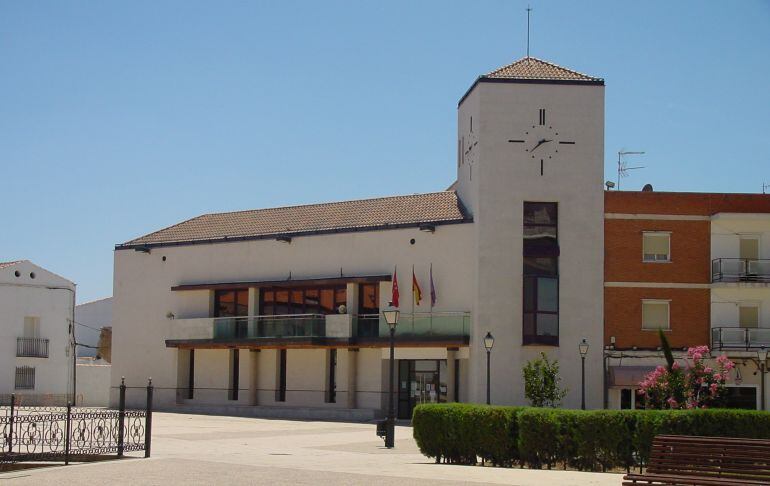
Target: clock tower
column 530, row 166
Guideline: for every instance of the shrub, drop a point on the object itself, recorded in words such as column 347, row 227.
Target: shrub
column 583, row 439
column 541, row 382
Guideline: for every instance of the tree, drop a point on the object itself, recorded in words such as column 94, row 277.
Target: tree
column 541, row 382
column 694, row 386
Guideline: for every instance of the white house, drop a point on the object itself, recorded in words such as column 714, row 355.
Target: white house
column 90, row 318
column 35, row 333
column 279, row 311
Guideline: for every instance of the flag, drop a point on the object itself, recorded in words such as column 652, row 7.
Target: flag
column 394, row 298
column 432, row 288
column 416, row 291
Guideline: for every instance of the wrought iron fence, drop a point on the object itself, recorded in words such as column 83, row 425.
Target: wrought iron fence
column 55, row 433
column 31, row 347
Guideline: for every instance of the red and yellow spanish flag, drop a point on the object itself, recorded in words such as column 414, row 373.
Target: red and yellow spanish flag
column 416, row 290
column 394, row 297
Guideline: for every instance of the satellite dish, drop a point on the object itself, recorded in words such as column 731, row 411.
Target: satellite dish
column 647, row 188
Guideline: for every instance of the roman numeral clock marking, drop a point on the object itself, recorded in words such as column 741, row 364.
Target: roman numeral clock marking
column 541, row 141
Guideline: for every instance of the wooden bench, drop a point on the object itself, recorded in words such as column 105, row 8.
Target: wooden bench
column 690, row 460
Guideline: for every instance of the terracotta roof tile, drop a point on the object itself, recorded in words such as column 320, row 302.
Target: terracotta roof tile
column 437, row 207
column 9, row 264
column 532, row 68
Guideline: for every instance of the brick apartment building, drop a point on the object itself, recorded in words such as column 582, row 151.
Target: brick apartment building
column 692, row 264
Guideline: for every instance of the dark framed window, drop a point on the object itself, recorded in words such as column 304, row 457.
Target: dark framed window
column 277, row 301
column 25, row 378
column 231, row 303
column 540, row 320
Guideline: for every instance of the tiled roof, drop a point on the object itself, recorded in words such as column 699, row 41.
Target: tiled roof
column 9, row 264
column 379, row 213
column 531, row 68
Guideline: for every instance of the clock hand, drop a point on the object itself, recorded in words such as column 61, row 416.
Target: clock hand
column 536, row 146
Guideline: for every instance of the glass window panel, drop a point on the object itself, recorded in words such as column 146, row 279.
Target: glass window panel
column 547, row 325
column 655, row 315
column 540, row 213
column 370, row 299
column 282, row 296
column 656, row 247
column 530, row 291
column 529, row 324
column 341, row 297
column 327, row 301
column 540, row 232
column 224, row 303
column 540, row 266
column 547, row 294
column 268, row 296
column 748, row 316
column 425, row 365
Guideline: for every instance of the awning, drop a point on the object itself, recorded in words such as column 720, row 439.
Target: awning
column 322, row 281
column 629, row 376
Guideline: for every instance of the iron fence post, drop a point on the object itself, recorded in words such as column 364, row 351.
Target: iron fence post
column 148, row 421
column 121, row 415
column 10, row 428
column 67, row 434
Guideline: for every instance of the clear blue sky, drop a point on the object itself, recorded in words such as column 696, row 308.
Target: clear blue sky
column 119, row 118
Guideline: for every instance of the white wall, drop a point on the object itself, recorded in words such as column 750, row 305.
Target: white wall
column 143, row 296
column 93, row 384
column 90, row 318
column 504, row 176
column 50, row 298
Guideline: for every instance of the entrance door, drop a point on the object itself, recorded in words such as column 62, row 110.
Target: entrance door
column 420, row 381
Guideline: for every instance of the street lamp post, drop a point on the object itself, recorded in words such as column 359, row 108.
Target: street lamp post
column 391, row 317
column 583, row 348
column 762, row 365
column 489, row 341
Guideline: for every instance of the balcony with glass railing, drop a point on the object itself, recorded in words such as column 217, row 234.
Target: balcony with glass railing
column 740, row 270
column 427, row 326
column 740, row 337
column 450, row 327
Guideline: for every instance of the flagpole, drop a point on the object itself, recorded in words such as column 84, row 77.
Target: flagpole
column 413, row 297
column 431, row 296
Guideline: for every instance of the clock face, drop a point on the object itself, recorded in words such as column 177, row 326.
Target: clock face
column 541, row 141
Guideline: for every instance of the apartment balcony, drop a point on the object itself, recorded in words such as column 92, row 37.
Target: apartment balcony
column 307, row 330
column 740, row 270
column 31, row 347
column 739, row 337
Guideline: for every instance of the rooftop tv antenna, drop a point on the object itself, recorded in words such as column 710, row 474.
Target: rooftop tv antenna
column 765, row 187
column 529, row 9
column 623, row 167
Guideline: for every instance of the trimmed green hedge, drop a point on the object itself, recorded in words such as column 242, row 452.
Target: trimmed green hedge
column 583, row 439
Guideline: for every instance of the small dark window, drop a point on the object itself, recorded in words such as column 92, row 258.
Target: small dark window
column 234, row 374
column 626, row 399
column 17, row 273
column 31, row 274
column 331, row 388
column 25, row 378
column 541, row 274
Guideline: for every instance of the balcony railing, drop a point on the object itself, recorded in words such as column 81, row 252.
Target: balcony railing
column 284, row 326
column 31, row 347
column 418, row 326
column 739, row 337
column 740, row 270
column 424, row 325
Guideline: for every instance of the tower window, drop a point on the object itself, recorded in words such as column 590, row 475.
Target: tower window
column 541, row 274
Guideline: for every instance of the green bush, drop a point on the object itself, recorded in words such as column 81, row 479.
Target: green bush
column 583, row 439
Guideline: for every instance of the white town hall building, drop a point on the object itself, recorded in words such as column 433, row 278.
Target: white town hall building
column 278, row 312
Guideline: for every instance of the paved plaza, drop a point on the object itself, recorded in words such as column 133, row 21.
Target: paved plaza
column 198, row 449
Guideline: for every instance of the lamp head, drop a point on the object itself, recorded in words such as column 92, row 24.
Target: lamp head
column 489, row 341
column 583, row 347
column 762, row 354
column 391, row 317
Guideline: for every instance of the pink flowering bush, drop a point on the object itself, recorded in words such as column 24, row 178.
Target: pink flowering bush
column 694, row 386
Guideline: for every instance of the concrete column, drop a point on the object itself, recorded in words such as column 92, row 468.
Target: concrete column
column 352, row 376
column 253, row 310
column 450, row 378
